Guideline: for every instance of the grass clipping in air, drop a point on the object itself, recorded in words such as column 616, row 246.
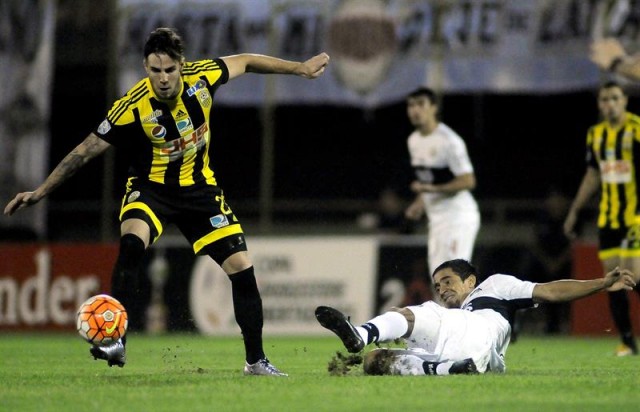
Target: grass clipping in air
column 341, row 365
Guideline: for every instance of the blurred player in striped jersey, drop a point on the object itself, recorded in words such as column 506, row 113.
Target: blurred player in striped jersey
column 613, row 165
column 163, row 127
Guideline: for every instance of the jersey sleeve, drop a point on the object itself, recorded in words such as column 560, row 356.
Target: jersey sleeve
column 511, row 288
column 120, row 118
column 459, row 161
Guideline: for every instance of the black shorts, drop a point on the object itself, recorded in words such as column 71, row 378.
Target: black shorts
column 621, row 242
column 200, row 212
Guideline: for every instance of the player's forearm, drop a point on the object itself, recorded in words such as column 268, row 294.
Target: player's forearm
column 567, row 290
column 257, row 63
column 588, row 187
column 462, row 182
column 91, row 147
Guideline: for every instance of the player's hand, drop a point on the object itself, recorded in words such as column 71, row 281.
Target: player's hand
column 21, row 201
column 414, row 211
column 619, row 279
column 314, row 67
column 605, row 51
column 419, row 187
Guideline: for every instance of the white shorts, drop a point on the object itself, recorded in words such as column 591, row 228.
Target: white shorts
column 440, row 334
column 452, row 239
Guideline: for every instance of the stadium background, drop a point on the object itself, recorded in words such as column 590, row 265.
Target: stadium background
column 331, row 162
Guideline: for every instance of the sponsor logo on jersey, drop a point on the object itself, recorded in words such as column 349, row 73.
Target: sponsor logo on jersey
column 153, row 117
column 159, row 131
column 180, row 114
column 177, row 148
column 184, row 125
column 219, row 221
column 133, row 196
column 200, row 84
column 205, row 98
column 104, row 127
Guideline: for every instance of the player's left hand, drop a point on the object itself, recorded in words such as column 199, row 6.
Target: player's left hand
column 314, row 67
column 619, row 279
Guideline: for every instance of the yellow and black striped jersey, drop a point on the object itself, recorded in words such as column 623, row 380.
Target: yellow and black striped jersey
column 616, row 154
column 168, row 142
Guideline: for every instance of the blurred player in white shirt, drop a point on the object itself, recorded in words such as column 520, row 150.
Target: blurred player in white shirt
column 444, row 178
column 470, row 333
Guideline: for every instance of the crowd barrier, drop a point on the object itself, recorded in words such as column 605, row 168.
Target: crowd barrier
column 42, row 285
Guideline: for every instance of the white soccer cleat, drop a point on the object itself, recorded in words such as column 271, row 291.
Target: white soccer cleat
column 262, row 367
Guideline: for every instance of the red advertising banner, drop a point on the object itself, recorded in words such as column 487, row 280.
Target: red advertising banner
column 591, row 315
column 42, row 285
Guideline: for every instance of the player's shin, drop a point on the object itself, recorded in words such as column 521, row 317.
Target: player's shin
column 124, row 280
column 247, row 307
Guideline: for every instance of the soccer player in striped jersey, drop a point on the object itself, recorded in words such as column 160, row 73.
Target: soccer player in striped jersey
column 444, row 180
column 163, row 126
column 613, row 165
column 470, row 333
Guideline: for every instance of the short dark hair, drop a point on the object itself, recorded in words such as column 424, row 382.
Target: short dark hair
column 426, row 92
column 610, row 84
column 460, row 267
column 164, row 40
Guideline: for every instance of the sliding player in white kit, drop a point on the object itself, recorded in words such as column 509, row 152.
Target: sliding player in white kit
column 445, row 177
column 470, row 334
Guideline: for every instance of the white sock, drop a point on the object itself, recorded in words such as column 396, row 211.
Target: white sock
column 390, row 325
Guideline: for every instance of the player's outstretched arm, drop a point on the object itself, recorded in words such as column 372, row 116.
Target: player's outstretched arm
column 91, row 147
column 258, row 63
column 609, row 54
column 569, row 289
column 588, row 187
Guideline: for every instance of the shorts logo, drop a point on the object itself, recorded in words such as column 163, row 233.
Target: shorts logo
column 159, row 131
column 104, row 127
column 133, row 196
column 219, row 221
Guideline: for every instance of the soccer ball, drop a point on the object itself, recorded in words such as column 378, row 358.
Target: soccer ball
column 101, row 320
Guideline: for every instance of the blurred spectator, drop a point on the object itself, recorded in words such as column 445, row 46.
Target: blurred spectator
column 549, row 258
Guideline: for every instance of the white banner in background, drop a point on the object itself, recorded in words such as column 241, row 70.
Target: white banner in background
column 382, row 49
column 27, row 33
column 295, row 275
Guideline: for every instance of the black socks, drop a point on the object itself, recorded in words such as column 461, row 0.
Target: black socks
column 247, row 307
column 124, row 280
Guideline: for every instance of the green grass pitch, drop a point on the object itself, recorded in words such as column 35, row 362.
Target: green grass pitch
column 185, row 372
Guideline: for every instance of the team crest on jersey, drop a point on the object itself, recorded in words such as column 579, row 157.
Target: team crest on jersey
column 153, row 117
column 104, row 127
column 184, row 125
column 200, row 84
column 219, row 221
column 159, row 131
column 205, row 98
column 133, row 196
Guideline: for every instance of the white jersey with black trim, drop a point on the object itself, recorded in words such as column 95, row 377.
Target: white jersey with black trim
column 437, row 158
column 496, row 300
